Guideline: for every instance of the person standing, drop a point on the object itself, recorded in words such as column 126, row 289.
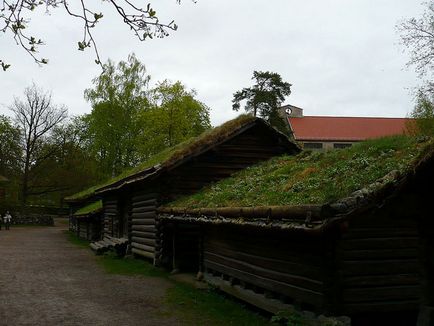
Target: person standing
column 7, row 220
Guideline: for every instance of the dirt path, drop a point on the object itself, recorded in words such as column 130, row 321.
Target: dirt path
column 45, row 280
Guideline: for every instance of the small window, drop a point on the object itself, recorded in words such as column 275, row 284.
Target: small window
column 341, row 145
column 313, row 145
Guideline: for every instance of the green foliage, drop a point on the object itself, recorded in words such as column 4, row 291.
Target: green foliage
column 265, row 97
column 174, row 117
column 423, row 113
column 118, row 97
column 310, row 177
column 9, row 147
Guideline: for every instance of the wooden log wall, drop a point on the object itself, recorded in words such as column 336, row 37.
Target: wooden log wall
column 379, row 266
column 288, row 268
column 111, row 212
column 143, row 225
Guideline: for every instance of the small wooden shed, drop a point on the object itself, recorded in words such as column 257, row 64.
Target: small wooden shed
column 86, row 222
column 130, row 202
column 369, row 255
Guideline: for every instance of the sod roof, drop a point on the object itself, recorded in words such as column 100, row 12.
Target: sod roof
column 313, row 178
column 92, row 208
column 176, row 155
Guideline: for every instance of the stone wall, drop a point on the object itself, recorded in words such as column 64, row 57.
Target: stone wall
column 33, row 219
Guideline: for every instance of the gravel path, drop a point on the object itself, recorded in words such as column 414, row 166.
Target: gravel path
column 45, row 280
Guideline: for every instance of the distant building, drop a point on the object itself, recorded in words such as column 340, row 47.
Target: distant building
column 327, row 132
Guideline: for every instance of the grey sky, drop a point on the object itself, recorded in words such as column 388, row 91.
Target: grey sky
column 342, row 56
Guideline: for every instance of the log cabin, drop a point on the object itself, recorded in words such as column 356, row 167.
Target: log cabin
column 86, row 222
column 130, row 200
column 369, row 255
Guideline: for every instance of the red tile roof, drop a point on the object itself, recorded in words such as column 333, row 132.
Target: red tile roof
column 345, row 128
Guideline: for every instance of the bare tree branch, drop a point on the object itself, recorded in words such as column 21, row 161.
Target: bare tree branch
column 14, row 19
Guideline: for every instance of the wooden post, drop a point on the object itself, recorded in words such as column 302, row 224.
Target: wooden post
column 174, row 262
column 426, row 258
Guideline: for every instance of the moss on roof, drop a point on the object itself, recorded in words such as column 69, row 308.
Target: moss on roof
column 91, row 208
column 310, row 177
column 172, row 155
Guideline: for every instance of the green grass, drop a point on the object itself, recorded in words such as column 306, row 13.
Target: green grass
column 95, row 206
column 310, row 177
column 172, row 154
column 76, row 240
column 113, row 264
column 207, row 307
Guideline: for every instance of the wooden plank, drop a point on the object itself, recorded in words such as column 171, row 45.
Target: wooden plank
column 143, row 253
column 150, row 242
column 389, row 306
column 375, row 243
column 144, row 215
column 293, row 263
column 147, row 221
column 381, row 280
column 379, row 267
column 386, row 293
column 149, row 235
column 288, row 277
column 143, row 209
column 143, row 247
column 144, row 197
column 379, row 254
column 143, row 228
column 360, row 233
column 304, row 295
column 144, row 203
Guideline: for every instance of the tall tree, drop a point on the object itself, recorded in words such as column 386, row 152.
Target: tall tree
column 423, row 115
column 417, row 35
column 119, row 94
column 36, row 116
column 14, row 20
column 264, row 97
column 10, row 151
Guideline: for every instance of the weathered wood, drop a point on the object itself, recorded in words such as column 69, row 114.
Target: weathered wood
column 144, row 215
column 305, row 295
column 150, row 242
column 143, row 253
column 143, row 209
column 148, row 235
column 143, row 247
column 144, row 197
column 376, row 267
column 148, row 221
column 381, row 280
column 288, row 277
column 388, row 293
column 384, row 307
column 375, row 243
column 144, row 228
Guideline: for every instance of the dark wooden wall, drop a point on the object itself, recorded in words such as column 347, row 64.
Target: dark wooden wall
column 286, row 267
column 88, row 228
column 143, row 224
column 379, row 265
column 111, row 212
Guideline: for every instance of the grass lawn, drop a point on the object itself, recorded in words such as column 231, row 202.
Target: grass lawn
column 188, row 304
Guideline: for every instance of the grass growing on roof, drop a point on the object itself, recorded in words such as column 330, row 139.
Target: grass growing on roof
column 309, row 177
column 95, row 206
column 175, row 153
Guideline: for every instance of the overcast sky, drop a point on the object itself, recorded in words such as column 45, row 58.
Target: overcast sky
column 343, row 57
